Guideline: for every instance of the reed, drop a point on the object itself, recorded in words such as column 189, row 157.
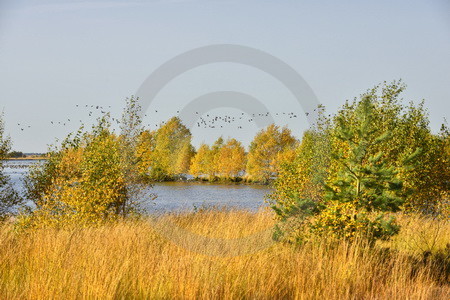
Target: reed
column 193, row 256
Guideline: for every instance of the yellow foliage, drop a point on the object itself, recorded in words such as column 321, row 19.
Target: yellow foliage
column 301, row 173
column 169, row 151
column 183, row 158
column 201, row 161
column 144, row 149
column 224, row 159
column 87, row 186
column 231, row 159
column 263, row 157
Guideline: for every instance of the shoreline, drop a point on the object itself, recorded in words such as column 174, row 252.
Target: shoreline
column 26, row 158
column 197, row 180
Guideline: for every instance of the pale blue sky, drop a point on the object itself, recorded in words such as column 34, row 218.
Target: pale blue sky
column 56, row 54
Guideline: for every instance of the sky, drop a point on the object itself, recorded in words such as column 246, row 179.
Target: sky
column 56, row 54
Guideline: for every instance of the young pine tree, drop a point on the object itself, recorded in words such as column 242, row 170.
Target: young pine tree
column 365, row 186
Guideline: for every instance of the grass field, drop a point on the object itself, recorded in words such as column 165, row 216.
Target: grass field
column 197, row 259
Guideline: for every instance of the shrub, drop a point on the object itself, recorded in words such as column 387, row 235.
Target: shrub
column 91, row 179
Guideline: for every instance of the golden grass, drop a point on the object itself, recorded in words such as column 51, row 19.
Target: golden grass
column 194, row 260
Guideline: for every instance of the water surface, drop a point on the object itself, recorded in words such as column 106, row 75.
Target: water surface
column 175, row 196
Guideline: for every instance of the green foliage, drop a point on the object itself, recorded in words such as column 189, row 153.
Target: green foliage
column 361, row 177
column 302, row 178
column 362, row 182
column 412, row 149
column 376, row 156
column 299, row 188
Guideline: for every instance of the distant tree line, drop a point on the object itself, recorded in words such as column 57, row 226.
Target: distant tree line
column 16, row 154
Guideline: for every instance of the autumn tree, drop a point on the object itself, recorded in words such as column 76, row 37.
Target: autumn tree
column 144, row 151
column 172, row 152
column 231, row 159
column 9, row 198
column 265, row 151
column 299, row 188
column 183, row 157
column 224, row 159
column 213, row 167
column 91, row 178
column 301, row 179
column 201, row 161
column 84, row 182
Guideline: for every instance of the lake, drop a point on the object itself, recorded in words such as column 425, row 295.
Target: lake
column 176, row 196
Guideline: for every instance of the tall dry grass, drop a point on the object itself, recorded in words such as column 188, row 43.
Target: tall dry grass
column 193, row 260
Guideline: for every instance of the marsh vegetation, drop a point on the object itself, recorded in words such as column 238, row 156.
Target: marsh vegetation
column 359, row 210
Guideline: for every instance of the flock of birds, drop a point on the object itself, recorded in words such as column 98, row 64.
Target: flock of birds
column 213, row 121
column 204, row 121
column 23, row 126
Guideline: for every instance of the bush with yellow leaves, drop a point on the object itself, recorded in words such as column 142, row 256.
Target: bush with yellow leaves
column 85, row 182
